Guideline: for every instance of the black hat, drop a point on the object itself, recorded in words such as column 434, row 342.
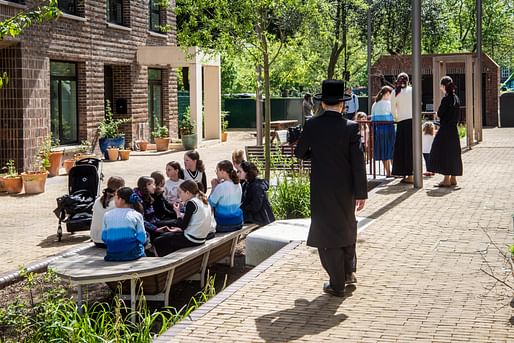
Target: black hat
column 332, row 92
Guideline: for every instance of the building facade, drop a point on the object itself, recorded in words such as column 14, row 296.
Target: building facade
column 388, row 67
column 61, row 74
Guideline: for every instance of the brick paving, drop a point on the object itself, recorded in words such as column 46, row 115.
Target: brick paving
column 28, row 226
column 419, row 270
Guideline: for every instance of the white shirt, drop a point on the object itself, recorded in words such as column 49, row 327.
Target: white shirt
column 427, row 141
column 171, row 190
column 98, row 219
column 401, row 104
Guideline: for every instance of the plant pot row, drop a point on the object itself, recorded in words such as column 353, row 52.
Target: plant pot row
column 114, row 154
column 33, row 182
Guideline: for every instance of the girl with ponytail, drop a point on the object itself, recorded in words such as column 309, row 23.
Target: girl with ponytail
column 225, row 198
column 445, row 155
column 101, row 206
column 123, row 230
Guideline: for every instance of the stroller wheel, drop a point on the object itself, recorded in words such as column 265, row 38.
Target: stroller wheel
column 59, row 233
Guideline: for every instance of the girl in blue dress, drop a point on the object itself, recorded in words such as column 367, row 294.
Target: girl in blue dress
column 383, row 122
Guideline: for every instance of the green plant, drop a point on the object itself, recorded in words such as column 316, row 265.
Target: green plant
column 224, row 120
column 43, row 158
column 290, row 198
column 109, row 127
column 165, row 28
column 85, row 146
column 462, row 130
column 161, row 132
column 185, row 126
column 11, row 169
column 164, row 4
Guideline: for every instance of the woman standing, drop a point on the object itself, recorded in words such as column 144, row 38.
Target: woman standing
column 383, row 121
column 445, row 155
column 401, row 107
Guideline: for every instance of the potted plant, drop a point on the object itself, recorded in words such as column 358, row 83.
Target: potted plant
column 84, row 150
column 108, row 130
column 186, row 128
column 224, row 125
column 142, row 144
column 12, row 180
column 51, row 158
column 124, row 154
column 113, row 153
column 34, row 179
column 162, row 138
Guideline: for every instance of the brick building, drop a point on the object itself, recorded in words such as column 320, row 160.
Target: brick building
column 388, row 67
column 61, row 73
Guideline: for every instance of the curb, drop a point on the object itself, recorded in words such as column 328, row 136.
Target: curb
column 9, row 278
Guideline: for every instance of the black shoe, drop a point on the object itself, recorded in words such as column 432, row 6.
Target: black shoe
column 350, row 279
column 329, row 290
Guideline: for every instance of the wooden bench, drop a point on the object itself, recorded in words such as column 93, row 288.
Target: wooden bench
column 282, row 158
column 155, row 275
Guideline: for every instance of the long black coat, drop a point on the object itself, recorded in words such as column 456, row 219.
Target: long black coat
column 255, row 204
column 338, row 178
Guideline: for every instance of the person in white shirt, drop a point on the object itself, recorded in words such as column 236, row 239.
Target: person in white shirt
column 171, row 186
column 401, row 107
column 427, row 140
column 101, row 206
column 352, row 106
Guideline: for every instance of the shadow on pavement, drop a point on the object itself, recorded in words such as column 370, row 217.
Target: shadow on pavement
column 442, row 191
column 67, row 239
column 305, row 318
column 407, row 191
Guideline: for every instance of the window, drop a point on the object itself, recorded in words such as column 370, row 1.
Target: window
column 115, row 11
column 63, row 102
column 18, row 1
column 68, row 6
column 155, row 16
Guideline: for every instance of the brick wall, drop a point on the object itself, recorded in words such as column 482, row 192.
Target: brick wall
column 91, row 43
column 393, row 65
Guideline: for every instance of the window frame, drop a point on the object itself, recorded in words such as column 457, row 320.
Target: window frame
column 75, row 10
column 154, row 8
column 109, row 16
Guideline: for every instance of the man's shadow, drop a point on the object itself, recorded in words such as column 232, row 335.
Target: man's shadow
column 305, row 318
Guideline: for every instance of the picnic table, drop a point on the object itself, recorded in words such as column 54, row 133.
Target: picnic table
column 278, row 125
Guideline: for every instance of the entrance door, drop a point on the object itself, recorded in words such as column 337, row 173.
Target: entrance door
column 63, row 104
column 154, row 99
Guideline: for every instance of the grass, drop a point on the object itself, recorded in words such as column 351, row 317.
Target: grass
column 50, row 315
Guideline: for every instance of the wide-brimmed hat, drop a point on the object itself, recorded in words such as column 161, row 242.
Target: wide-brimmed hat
column 332, row 92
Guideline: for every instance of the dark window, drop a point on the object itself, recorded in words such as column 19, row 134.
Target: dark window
column 68, row 6
column 155, row 16
column 115, row 11
column 63, row 104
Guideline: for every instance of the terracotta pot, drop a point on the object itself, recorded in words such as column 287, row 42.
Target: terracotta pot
column 68, row 164
column 55, row 158
column 113, row 153
column 142, row 145
column 13, row 185
column 162, row 144
column 2, row 186
column 224, row 136
column 34, row 182
column 124, row 154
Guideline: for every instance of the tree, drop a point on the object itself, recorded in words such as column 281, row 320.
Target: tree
column 14, row 26
column 262, row 28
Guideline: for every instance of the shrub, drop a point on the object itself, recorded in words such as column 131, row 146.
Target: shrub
column 290, row 198
column 161, row 132
column 185, row 126
column 109, row 127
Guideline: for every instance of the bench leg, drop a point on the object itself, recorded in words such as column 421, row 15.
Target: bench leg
column 133, row 300
column 205, row 260
column 233, row 251
column 167, row 289
column 79, row 298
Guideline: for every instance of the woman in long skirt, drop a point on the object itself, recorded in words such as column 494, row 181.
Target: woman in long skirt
column 445, row 155
column 401, row 107
column 383, row 122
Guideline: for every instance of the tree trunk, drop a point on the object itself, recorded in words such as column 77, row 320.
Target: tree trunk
column 334, row 56
column 267, row 116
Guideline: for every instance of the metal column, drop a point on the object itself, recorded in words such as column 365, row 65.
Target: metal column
column 370, row 50
column 478, row 78
column 416, row 93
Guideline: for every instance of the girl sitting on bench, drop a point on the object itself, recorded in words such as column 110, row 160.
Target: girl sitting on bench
column 193, row 227
column 123, row 231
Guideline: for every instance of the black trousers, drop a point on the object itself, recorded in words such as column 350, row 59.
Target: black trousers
column 337, row 262
column 172, row 241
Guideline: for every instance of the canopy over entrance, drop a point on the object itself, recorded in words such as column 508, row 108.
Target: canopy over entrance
column 176, row 57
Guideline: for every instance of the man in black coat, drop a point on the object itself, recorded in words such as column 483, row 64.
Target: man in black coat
column 338, row 184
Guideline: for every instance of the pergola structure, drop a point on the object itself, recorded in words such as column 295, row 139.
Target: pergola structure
column 176, row 57
column 473, row 74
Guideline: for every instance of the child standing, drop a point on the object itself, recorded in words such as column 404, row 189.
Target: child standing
column 194, row 169
column 193, row 227
column 427, row 140
column 361, row 118
column 225, row 198
column 123, row 230
column 171, row 186
column 101, row 206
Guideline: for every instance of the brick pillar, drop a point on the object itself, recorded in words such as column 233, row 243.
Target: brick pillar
column 138, row 109
column 94, row 97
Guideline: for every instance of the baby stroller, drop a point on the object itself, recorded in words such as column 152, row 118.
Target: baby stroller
column 75, row 209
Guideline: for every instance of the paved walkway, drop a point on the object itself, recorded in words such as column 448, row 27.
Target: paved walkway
column 419, row 273
column 28, row 226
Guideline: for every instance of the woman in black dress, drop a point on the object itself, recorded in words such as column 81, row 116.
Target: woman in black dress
column 445, row 155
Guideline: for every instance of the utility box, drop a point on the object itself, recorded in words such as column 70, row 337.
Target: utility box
column 507, row 109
